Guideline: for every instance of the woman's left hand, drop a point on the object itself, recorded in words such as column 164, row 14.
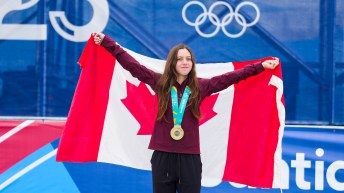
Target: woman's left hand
column 271, row 64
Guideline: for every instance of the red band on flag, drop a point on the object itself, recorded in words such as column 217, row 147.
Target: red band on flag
column 87, row 113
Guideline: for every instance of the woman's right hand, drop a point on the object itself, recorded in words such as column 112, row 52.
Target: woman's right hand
column 98, row 38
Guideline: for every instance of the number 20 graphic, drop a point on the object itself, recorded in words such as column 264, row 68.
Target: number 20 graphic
column 39, row 31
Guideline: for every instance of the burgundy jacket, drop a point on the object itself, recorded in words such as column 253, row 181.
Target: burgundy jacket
column 161, row 139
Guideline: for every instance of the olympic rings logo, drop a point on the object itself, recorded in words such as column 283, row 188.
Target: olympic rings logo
column 215, row 20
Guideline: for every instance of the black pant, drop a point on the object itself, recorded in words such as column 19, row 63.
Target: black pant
column 176, row 172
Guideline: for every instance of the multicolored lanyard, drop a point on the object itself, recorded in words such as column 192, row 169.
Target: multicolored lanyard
column 178, row 110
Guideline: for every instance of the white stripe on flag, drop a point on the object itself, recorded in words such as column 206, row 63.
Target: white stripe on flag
column 280, row 174
column 214, row 133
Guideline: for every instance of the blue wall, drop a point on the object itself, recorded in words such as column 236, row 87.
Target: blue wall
column 39, row 52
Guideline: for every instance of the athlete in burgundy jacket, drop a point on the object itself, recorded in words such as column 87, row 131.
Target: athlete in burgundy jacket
column 178, row 158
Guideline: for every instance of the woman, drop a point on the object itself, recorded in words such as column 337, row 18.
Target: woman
column 176, row 162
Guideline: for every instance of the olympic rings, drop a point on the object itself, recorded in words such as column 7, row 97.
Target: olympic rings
column 215, row 20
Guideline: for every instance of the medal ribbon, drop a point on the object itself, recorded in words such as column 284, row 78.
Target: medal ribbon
column 178, row 110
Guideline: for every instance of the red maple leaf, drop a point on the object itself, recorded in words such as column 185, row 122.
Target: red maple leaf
column 207, row 108
column 144, row 107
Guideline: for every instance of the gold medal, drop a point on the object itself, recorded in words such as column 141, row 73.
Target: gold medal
column 177, row 132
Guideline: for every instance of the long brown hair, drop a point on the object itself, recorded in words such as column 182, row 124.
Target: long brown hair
column 169, row 77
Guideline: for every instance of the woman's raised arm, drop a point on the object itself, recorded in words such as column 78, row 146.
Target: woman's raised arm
column 126, row 60
column 221, row 82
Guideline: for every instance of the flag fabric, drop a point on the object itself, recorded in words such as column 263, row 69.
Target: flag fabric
column 111, row 120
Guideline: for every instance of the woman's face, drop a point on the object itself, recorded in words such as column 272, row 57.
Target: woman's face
column 184, row 62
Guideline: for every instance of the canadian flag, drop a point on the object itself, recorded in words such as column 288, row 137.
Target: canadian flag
column 111, row 120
